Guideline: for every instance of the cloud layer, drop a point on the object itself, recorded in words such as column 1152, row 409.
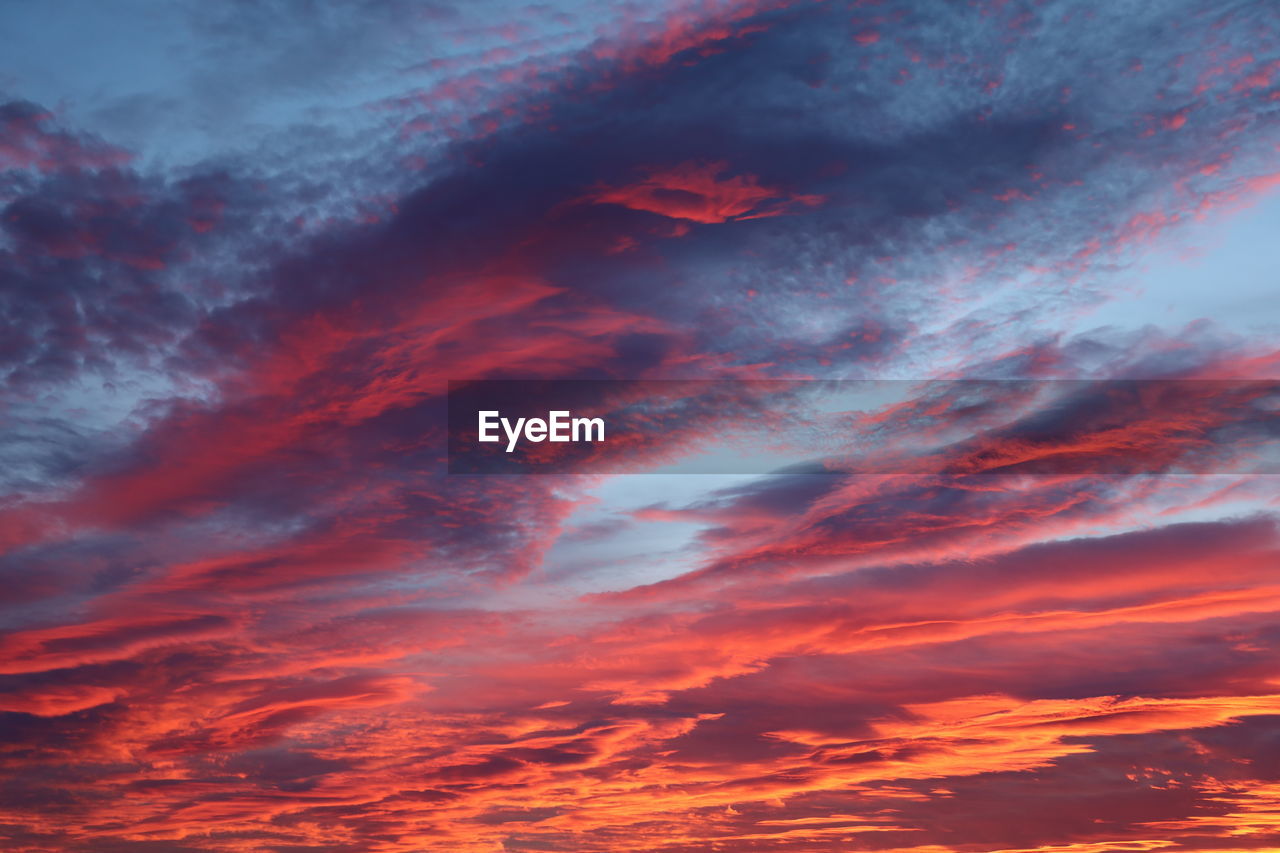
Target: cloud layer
column 248, row 609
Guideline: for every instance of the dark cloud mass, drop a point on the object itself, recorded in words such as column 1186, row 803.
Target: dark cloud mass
column 248, row 609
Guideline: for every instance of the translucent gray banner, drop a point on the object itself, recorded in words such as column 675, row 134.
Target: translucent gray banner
column 944, row 427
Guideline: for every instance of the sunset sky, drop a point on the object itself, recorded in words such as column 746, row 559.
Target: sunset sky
column 245, row 605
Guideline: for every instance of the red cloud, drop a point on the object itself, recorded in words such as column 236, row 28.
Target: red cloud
column 697, row 192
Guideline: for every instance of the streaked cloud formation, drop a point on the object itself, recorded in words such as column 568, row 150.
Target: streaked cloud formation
column 247, row 609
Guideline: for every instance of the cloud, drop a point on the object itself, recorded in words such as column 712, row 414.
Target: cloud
column 245, row 591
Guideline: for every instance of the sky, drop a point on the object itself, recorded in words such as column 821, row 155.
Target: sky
column 246, row 246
